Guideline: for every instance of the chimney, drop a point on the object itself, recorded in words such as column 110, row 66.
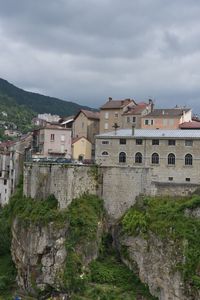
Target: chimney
column 109, row 99
column 133, row 130
column 151, row 105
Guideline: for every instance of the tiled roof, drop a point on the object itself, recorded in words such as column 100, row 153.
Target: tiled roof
column 137, row 110
column 191, row 124
column 91, row 114
column 171, row 112
column 112, row 104
column 152, row 133
column 79, row 138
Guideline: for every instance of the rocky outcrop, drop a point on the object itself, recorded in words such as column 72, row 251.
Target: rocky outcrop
column 40, row 255
column 156, row 263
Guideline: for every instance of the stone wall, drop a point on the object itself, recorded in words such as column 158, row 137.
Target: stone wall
column 118, row 186
column 66, row 182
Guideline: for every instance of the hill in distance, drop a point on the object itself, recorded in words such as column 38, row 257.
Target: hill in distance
column 38, row 103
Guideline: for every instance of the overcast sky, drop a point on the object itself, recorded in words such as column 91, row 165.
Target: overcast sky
column 87, row 50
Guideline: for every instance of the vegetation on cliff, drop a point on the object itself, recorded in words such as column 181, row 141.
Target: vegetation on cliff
column 85, row 275
column 171, row 220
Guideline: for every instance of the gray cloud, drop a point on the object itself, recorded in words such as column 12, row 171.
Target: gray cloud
column 87, row 50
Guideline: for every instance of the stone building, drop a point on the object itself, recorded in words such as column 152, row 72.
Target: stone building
column 111, row 112
column 173, row 156
column 86, row 124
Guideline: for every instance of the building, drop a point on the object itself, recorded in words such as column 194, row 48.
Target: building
column 173, row 156
column 133, row 115
column 86, row 124
column 81, row 149
column 111, row 113
column 12, row 156
column 52, row 141
column 166, row 118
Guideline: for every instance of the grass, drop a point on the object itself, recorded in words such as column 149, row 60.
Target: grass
column 166, row 218
column 109, row 279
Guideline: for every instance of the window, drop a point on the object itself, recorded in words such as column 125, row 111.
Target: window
column 170, row 178
column 104, row 153
column 146, row 122
column 188, row 142
column 172, row 142
column 151, row 122
column 155, row 158
column 188, row 160
column 52, row 137
column 62, row 138
column 128, row 119
column 171, row 159
column 134, row 119
column 122, row 141
column 122, row 157
column 187, row 179
column 106, row 115
column 155, row 142
column 138, row 158
column 82, row 124
column 116, row 114
column 106, row 126
column 138, row 141
column 5, row 182
column 105, row 142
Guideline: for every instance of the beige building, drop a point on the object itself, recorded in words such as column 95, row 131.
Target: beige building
column 111, row 112
column 173, row 156
column 52, row 141
column 81, row 149
column 166, row 118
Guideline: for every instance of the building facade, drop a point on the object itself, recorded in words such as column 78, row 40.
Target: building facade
column 111, row 112
column 52, row 141
column 172, row 155
column 166, row 118
column 81, row 149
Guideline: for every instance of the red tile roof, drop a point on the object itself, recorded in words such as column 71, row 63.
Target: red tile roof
column 190, row 125
column 89, row 114
column 137, row 110
column 112, row 104
column 78, row 138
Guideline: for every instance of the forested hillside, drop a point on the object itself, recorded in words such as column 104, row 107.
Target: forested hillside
column 39, row 103
column 12, row 114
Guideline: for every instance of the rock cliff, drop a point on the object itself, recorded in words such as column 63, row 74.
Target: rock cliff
column 160, row 239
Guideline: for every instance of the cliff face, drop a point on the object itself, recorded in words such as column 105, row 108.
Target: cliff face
column 52, row 254
column 155, row 262
column 39, row 254
column 160, row 239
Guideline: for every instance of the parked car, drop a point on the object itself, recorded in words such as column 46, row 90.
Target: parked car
column 88, row 161
column 63, row 160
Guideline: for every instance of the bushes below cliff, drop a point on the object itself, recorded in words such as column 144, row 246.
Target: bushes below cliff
column 174, row 220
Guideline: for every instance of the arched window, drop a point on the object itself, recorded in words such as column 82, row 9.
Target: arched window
column 104, row 153
column 171, row 159
column 122, row 157
column 155, row 158
column 188, row 160
column 138, row 158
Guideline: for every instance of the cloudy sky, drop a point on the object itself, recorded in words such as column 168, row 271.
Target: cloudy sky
column 87, row 50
